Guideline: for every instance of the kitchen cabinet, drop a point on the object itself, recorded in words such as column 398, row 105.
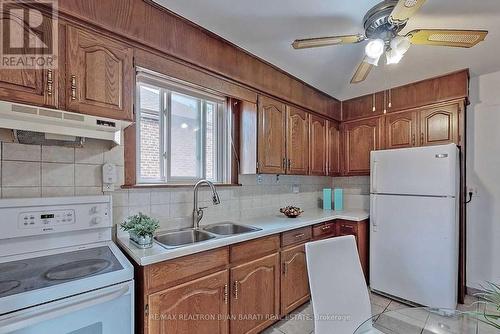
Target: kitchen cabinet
column 318, row 148
column 401, row 130
column 324, row 230
column 334, row 149
column 255, row 295
column 170, row 310
column 100, row 75
column 360, row 231
column 271, row 136
column 363, row 106
column 297, row 141
column 35, row 86
column 439, row 125
column 360, row 138
column 294, row 279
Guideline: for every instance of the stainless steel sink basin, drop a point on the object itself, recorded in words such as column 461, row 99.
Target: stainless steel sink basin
column 228, row 228
column 179, row 238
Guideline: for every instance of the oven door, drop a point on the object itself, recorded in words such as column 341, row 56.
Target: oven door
column 104, row 311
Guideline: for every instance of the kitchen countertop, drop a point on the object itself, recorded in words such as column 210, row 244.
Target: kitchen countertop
column 269, row 225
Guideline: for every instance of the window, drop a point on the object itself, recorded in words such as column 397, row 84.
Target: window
column 182, row 133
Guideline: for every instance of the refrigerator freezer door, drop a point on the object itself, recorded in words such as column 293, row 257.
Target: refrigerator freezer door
column 429, row 171
column 414, row 248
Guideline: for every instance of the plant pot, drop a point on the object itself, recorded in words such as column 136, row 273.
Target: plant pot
column 141, row 241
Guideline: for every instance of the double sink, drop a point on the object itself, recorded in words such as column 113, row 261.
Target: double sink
column 185, row 237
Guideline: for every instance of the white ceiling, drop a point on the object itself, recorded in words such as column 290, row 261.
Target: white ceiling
column 266, row 28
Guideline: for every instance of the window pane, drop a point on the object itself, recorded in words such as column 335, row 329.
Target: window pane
column 150, row 133
column 185, row 143
column 211, row 141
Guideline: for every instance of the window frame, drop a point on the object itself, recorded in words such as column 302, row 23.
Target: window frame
column 166, row 86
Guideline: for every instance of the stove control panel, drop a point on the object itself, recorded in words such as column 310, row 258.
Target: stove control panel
column 46, row 218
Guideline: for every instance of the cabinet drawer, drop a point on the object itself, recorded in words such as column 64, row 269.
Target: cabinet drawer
column 254, row 248
column 164, row 274
column 347, row 229
column 324, row 230
column 296, row 236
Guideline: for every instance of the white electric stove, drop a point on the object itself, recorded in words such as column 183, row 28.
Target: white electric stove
column 59, row 270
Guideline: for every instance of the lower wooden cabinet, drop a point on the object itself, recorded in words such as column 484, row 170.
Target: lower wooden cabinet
column 360, row 231
column 294, row 280
column 177, row 309
column 255, row 295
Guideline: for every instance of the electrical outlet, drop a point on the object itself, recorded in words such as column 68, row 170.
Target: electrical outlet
column 259, row 179
column 473, row 190
column 295, row 188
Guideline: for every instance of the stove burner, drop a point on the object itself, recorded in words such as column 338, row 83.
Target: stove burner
column 6, row 286
column 77, row 269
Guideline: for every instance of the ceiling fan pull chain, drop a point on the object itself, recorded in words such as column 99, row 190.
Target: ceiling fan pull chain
column 390, row 98
column 373, row 103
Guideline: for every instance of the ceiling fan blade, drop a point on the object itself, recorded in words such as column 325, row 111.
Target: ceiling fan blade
column 447, row 37
column 362, row 72
column 404, row 10
column 326, row 41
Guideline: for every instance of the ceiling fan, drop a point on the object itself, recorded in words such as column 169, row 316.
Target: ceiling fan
column 382, row 25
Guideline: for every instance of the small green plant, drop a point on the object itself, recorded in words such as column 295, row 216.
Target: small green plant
column 490, row 297
column 140, row 225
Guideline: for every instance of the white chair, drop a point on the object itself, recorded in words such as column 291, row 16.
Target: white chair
column 339, row 294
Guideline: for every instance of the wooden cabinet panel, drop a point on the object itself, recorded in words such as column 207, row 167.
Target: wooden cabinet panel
column 361, row 232
column 294, row 280
column 297, row 142
column 439, row 125
column 360, row 138
column 255, row 293
column 26, row 85
column 296, row 236
column 253, row 249
column 318, row 146
column 363, row 106
column 271, row 136
column 333, row 149
column 401, row 130
column 324, row 230
column 171, row 309
column 100, row 75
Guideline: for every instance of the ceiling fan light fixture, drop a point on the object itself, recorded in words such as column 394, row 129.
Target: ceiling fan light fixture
column 372, row 61
column 393, row 57
column 375, row 48
column 400, row 44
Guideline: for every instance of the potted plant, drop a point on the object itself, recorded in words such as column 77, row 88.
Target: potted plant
column 141, row 229
column 490, row 297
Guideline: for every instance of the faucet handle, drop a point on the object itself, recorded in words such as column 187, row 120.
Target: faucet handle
column 202, row 208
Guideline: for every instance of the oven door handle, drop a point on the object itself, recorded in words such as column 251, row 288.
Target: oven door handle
column 29, row 318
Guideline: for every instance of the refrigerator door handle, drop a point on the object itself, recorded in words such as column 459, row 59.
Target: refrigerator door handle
column 373, row 217
column 374, row 176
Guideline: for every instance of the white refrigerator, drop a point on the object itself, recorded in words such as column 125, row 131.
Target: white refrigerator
column 414, row 224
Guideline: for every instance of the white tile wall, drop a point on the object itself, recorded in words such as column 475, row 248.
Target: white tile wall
column 356, row 191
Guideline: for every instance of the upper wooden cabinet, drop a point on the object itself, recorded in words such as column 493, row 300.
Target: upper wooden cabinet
column 445, row 88
column 334, row 151
column 318, row 148
column 360, row 138
column 401, row 130
column 294, row 280
column 271, row 136
column 208, row 295
column 363, row 106
column 297, row 142
column 439, row 125
column 27, row 85
column 100, row 75
column 255, row 298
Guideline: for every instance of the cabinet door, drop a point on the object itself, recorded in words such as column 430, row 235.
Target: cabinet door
column 318, row 146
column 401, row 130
column 360, row 231
column 175, row 310
column 29, row 85
column 255, row 298
column 297, row 141
column 100, row 75
column 360, row 138
column 363, row 106
column 271, row 136
column 294, row 280
column 439, row 125
column 334, row 149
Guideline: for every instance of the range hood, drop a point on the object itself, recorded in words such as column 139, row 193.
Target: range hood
column 60, row 125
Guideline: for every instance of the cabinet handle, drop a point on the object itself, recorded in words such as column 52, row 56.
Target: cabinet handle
column 236, row 287
column 50, row 82
column 413, row 139
column 289, row 163
column 300, row 235
column 226, row 294
column 324, row 228
column 73, row 87
column 422, row 138
column 284, row 268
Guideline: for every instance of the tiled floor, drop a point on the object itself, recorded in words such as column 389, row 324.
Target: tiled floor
column 301, row 321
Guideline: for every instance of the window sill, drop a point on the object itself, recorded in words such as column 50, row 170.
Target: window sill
column 152, row 186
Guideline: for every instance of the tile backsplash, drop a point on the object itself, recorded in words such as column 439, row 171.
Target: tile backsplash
column 356, row 191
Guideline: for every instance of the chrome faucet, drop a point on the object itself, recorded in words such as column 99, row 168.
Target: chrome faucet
column 198, row 212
